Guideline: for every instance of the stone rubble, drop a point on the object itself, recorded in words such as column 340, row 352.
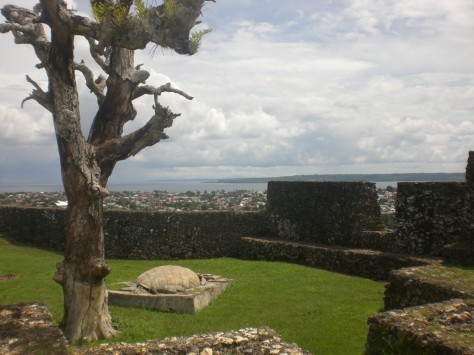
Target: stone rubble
column 435, row 328
column 28, row 328
column 244, row 341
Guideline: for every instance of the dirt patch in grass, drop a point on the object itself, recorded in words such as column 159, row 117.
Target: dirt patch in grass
column 8, row 277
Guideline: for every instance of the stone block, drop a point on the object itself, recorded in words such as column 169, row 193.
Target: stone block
column 331, row 213
column 189, row 301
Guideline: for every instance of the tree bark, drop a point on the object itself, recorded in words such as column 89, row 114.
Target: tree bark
column 81, row 274
column 83, row 269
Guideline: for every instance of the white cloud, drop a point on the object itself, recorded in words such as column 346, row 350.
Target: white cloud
column 303, row 87
column 20, row 128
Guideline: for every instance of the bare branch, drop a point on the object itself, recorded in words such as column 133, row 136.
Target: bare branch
column 22, row 23
column 117, row 108
column 24, row 34
column 19, row 15
column 43, row 98
column 151, row 133
column 151, row 90
column 97, row 51
column 96, row 86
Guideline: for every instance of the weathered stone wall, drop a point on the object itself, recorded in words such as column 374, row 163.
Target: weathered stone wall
column 184, row 235
column 375, row 265
column 330, row 213
column 429, row 215
column 142, row 235
column 41, row 227
column 438, row 328
column 415, row 323
column 470, row 168
column 432, row 283
column 469, row 236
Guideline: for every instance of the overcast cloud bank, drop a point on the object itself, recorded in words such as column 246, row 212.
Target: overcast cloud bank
column 282, row 88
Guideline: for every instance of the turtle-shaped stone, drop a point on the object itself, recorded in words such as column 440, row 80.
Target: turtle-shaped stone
column 168, row 279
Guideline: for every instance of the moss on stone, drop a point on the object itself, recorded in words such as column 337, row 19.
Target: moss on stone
column 456, row 277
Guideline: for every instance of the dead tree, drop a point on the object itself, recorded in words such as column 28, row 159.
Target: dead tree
column 118, row 29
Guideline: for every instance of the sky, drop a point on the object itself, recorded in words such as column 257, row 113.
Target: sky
column 280, row 88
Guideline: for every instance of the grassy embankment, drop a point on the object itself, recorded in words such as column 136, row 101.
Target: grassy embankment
column 322, row 312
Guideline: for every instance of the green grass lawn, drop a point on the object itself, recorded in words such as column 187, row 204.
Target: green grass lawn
column 322, row 312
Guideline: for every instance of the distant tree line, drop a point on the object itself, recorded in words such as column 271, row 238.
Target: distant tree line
column 397, row 177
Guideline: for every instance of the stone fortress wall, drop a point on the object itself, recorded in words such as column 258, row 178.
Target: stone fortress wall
column 142, row 234
column 429, row 216
column 329, row 213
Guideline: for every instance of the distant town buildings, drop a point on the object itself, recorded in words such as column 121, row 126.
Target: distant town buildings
column 239, row 200
column 155, row 200
column 387, row 198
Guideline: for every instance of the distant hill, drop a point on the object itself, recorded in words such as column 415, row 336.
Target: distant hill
column 355, row 177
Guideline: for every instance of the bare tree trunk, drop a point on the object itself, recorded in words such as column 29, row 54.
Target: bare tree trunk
column 82, row 273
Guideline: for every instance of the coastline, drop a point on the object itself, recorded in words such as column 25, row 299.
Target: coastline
column 249, row 184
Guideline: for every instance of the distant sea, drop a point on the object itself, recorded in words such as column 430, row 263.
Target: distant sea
column 170, row 186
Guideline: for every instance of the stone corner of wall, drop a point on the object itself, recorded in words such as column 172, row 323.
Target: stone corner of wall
column 416, row 286
column 411, row 330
